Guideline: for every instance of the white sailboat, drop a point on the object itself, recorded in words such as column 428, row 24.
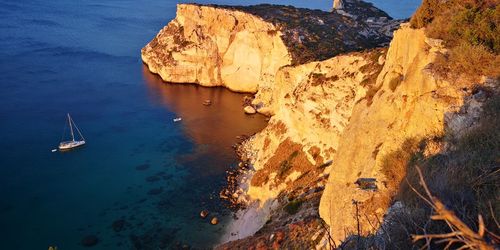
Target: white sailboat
column 67, row 145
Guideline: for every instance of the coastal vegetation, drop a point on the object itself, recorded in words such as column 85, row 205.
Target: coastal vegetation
column 293, row 206
column 465, row 179
column 470, row 29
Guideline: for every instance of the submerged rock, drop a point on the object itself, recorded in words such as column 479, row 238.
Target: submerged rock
column 142, row 166
column 207, row 102
column 155, row 191
column 153, row 178
column 89, row 241
column 118, row 225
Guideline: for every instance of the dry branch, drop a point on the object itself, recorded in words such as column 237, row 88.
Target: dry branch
column 460, row 232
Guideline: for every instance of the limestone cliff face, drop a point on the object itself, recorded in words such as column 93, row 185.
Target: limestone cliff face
column 217, row 47
column 339, row 118
column 312, row 106
column 407, row 102
column 333, row 121
column 242, row 47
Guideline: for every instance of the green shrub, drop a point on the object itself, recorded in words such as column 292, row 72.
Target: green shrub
column 293, row 206
column 426, row 13
column 287, row 164
column 478, row 27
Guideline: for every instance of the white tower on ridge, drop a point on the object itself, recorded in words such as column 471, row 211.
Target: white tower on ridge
column 338, row 4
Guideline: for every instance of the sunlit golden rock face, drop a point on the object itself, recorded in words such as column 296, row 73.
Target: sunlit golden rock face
column 312, row 106
column 352, row 110
column 217, row 47
column 408, row 102
column 242, row 47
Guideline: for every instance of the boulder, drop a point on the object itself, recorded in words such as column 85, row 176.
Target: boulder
column 249, row 110
column 265, row 111
column 203, row 214
column 214, row 221
column 381, row 60
column 118, row 225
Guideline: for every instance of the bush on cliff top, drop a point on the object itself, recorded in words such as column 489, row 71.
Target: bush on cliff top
column 470, row 28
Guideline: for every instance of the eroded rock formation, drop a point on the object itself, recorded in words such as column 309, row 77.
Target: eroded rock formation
column 242, row 48
column 333, row 121
column 406, row 102
column 217, row 47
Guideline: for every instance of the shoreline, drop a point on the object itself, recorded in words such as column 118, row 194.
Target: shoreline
column 225, row 112
column 250, row 216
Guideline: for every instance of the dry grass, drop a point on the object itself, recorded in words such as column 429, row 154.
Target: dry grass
column 466, row 179
column 288, row 157
column 395, row 164
column 461, row 234
column 470, row 28
column 471, row 61
column 465, row 183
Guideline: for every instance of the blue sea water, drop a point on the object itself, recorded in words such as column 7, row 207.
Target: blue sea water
column 141, row 170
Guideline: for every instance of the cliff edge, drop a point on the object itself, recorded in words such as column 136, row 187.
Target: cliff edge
column 346, row 112
column 242, row 48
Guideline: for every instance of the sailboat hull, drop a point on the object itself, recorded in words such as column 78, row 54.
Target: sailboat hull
column 67, row 145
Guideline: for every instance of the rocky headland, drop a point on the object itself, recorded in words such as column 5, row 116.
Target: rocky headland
column 344, row 93
column 242, row 48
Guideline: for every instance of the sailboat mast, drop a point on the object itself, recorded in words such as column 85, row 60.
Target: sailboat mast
column 71, row 128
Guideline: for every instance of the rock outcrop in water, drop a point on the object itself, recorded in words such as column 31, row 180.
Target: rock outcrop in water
column 339, row 106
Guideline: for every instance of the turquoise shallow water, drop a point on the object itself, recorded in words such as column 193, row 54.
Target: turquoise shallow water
column 147, row 174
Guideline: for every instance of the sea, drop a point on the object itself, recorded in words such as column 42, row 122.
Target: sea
column 142, row 179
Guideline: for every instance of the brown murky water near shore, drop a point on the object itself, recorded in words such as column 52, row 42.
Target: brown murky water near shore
column 213, row 128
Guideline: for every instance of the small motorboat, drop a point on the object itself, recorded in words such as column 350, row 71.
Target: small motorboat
column 207, row 102
column 67, row 145
column 178, row 119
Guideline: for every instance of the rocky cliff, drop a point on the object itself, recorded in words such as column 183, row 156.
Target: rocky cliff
column 333, row 122
column 242, row 48
column 217, row 47
column 338, row 119
column 406, row 102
